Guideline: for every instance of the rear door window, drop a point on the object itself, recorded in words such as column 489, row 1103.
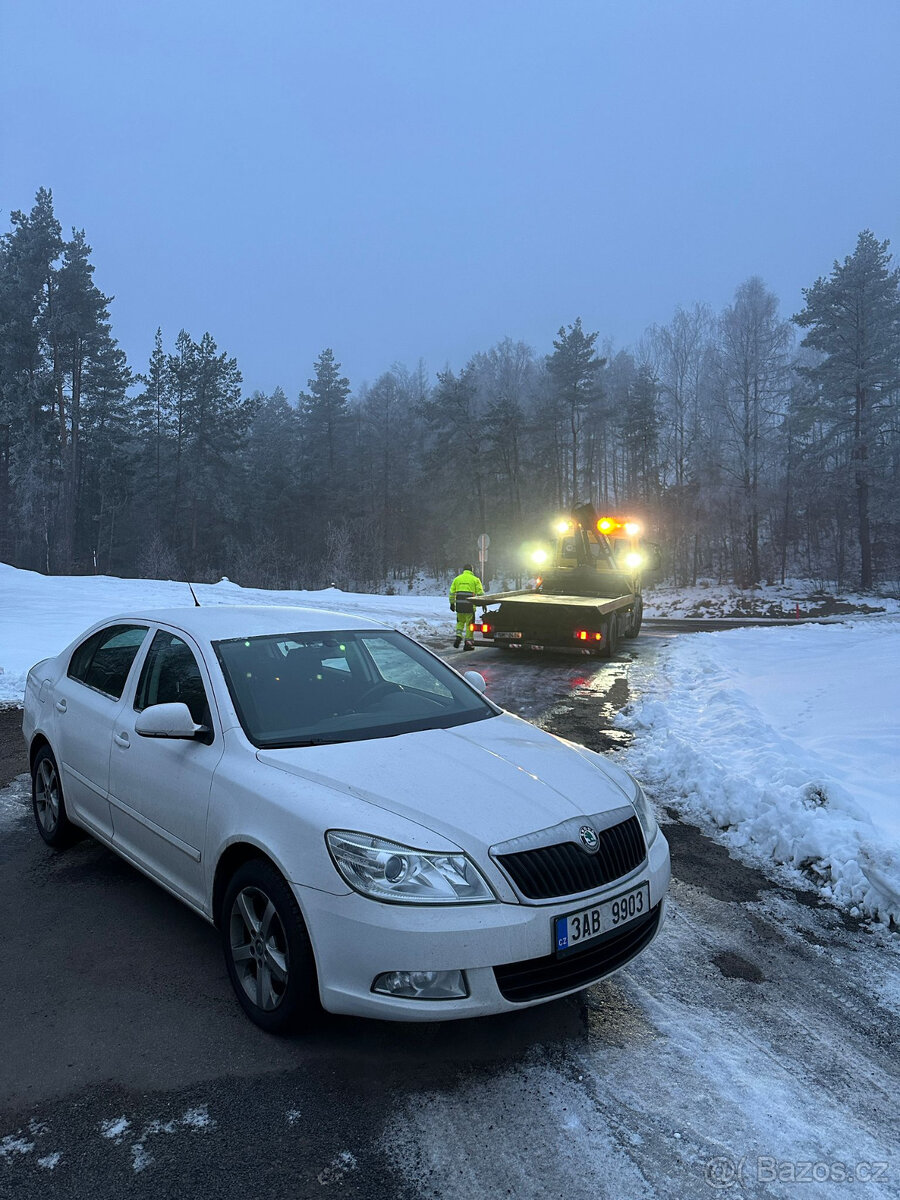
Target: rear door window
column 103, row 660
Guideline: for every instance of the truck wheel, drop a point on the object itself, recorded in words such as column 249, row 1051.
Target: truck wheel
column 610, row 631
column 637, row 613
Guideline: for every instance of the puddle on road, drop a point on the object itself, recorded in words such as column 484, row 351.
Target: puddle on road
column 733, row 966
column 588, row 713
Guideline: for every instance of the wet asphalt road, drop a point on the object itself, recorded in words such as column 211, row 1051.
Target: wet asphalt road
column 127, row 1069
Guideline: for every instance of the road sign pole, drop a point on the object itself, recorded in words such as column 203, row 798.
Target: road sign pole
column 483, row 542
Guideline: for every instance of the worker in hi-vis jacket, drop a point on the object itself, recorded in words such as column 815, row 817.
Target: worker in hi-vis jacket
column 462, row 589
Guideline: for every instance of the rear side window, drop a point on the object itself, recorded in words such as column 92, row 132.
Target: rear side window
column 104, row 659
column 170, row 675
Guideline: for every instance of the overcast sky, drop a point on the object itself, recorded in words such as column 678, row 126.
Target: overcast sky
column 413, row 179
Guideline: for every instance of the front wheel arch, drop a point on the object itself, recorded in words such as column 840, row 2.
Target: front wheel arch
column 277, row 948
column 231, row 859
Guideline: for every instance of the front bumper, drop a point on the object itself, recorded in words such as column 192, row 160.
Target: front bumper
column 356, row 939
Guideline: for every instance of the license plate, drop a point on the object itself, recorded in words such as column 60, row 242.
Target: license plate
column 506, row 635
column 579, row 929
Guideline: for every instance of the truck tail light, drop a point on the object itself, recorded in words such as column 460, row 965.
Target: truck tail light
column 482, row 627
column 588, row 635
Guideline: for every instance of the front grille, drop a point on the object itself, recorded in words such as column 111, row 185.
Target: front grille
column 566, row 868
column 537, row 978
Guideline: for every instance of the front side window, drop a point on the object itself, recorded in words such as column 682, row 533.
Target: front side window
column 104, row 659
column 170, row 675
column 306, row 689
column 396, row 666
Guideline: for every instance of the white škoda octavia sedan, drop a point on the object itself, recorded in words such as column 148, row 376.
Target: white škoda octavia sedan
column 365, row 828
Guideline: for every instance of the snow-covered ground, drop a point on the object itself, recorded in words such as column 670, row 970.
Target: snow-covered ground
column 41, row 614
column 792, row 598
column 786, row 739
column 789, row 741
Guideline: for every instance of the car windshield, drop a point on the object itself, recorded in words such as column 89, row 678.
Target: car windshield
column 309, row 689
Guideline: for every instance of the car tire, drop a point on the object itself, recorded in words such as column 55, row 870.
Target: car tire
column 637, row 614
column 48, row 802
column 267, row 949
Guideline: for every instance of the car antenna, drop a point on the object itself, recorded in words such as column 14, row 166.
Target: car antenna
column 194, row 594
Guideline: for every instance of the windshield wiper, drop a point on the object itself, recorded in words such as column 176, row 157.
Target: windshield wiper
column 292, row 743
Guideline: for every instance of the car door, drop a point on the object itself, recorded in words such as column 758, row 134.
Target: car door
column 86, row 700
column 159, row 787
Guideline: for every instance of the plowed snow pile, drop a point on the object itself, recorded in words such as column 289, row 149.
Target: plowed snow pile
column 788, row 740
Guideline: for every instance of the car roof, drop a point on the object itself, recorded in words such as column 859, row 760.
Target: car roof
column 227, row 621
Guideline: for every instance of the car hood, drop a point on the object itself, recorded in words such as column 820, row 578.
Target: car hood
column 474, row 784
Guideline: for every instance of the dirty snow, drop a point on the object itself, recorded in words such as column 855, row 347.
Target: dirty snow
column 119, row 1131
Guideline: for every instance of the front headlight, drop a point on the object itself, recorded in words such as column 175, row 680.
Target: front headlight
column 644, row 813
column 388, row 871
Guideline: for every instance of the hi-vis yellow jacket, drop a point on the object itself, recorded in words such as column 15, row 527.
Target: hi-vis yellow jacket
column 463, row 587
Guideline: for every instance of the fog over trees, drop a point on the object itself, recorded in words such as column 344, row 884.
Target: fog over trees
column 754, row 445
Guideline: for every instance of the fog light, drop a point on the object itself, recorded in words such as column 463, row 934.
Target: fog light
column 422, row 985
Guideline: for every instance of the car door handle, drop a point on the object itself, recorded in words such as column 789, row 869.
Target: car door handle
column 61, row 705
column 121, row 739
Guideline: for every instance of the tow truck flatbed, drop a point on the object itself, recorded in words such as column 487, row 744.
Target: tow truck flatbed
column 532, row 620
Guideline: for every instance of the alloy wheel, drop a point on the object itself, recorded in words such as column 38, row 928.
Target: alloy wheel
column 46, row 796
column 259, row 948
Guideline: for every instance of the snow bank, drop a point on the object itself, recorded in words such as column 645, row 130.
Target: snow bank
column 789, row 740
column 709, row 599
column 41, row 614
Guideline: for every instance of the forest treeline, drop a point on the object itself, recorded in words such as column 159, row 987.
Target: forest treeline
column 753, row 447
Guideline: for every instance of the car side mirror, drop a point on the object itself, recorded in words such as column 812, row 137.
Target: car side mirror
column 168, row 721
column 476, row 679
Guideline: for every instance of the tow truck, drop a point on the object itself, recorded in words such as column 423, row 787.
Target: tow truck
column 587, row 598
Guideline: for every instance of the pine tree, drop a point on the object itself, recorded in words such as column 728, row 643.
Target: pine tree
column 853, row 318
column 29, row 464
column 269, row 537
column 323, row 412
column 574, row 369
column 153, row 413
column 638, row 426
column 86, row 359
column 214, row 422
column 455, row 459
